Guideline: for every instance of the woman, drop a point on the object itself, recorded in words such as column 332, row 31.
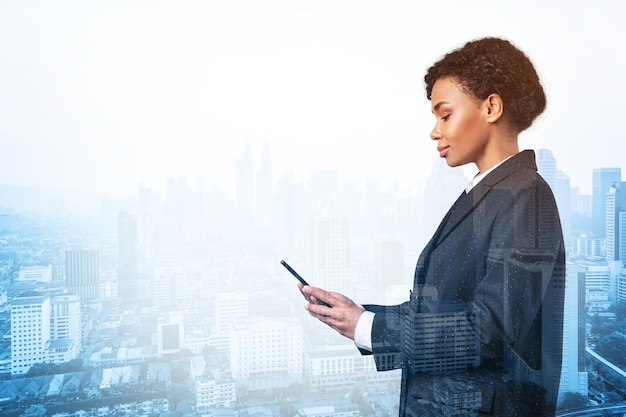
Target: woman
column 482, row 331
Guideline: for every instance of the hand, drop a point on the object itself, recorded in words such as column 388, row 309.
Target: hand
column 342, row 315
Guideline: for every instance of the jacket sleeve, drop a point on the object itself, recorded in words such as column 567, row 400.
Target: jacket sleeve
column 387, row 335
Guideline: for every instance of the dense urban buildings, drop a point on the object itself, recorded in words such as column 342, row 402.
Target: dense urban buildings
column 177, row 302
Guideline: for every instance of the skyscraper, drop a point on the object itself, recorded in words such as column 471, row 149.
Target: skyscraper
column 245, row 193
column 264, row 191
column 127, row 271
column 168, row 243
column 574, row 377
column 546, row 166
column 30, row 330
column 536, row 336
column 615, row 211
column 82, row 273
column 602, row 180
column 330, row 249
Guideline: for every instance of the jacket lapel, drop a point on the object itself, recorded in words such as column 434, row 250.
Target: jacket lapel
column 459, row 211
column 465, row 204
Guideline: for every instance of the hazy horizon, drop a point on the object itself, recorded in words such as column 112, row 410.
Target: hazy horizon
column 103, row 96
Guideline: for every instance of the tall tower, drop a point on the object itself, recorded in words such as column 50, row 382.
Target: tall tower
column 168, row 243
column 563, row 202
column 127, row 270
column 264, row 191
column 533, row 317
column 66, row 318
column 546, row 166
column 615, row 213
column 330, row 249
column 82, row 273
column 574, row 377
column 602, row 180
column 245, row 193
column 30, row 330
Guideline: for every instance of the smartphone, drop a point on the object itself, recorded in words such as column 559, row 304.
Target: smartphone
column 294, row 273
column 299, row 278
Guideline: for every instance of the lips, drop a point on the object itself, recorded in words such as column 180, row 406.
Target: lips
column 443, row 151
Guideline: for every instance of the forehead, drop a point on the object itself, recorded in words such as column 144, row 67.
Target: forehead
column 449, row 91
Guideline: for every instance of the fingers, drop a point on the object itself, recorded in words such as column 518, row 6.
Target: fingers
column 342, row 319
column 321, row 296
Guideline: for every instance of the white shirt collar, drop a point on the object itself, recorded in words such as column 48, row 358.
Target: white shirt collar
column 479, row 177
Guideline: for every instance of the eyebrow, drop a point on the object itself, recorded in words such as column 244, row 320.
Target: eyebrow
column 439, row 105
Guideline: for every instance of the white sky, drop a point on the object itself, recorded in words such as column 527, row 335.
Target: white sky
column 104, row 94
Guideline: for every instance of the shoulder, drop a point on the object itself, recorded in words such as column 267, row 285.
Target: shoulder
column 518, row 173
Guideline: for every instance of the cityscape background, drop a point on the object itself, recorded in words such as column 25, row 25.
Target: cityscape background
column 178, row 303
column 159, row 159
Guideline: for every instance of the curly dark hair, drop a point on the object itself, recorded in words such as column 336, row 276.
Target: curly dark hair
column 492, row 65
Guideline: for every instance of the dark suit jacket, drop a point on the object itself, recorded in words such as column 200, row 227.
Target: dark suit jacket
column 499, row 254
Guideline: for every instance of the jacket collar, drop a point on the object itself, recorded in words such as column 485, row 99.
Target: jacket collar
column 467, row 201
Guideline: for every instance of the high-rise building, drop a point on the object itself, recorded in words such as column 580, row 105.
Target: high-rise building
column 546, row 166
column 266, row 353
column 245, row 193
column 621, row 231
column 82, row 273
column 289, row 214
column 621, row 285
column 264, row 191
column 603, row 178
column 330, row 249
column 229, row 306
column 65, row 317
column 127, row 271
column 44, row 329
column 562, row 196
column 168, row 243
column 30, row 330
column 164, row 287
column 574, row 377
column 441, row 337
column 615, row 212
column 148, row 209
column 597, row 275
column 537, row 334
column 588, row 248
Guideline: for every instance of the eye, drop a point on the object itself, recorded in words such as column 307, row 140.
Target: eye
column 444, row 118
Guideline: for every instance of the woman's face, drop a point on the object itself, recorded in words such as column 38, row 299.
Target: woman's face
column 461, row 130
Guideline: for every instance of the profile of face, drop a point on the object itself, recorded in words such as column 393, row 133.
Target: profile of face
column 463, row 124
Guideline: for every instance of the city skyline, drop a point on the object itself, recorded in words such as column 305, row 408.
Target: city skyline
column 102, row 97
column 195, row 270
column 159, row 158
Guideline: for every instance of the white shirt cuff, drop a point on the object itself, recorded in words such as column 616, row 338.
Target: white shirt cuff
column 363, row 331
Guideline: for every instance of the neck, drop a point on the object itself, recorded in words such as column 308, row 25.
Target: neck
column 498, row 149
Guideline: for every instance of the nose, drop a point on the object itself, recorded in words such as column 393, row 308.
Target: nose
column 435, row 134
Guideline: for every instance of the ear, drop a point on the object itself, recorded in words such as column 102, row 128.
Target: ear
column 494, row 106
